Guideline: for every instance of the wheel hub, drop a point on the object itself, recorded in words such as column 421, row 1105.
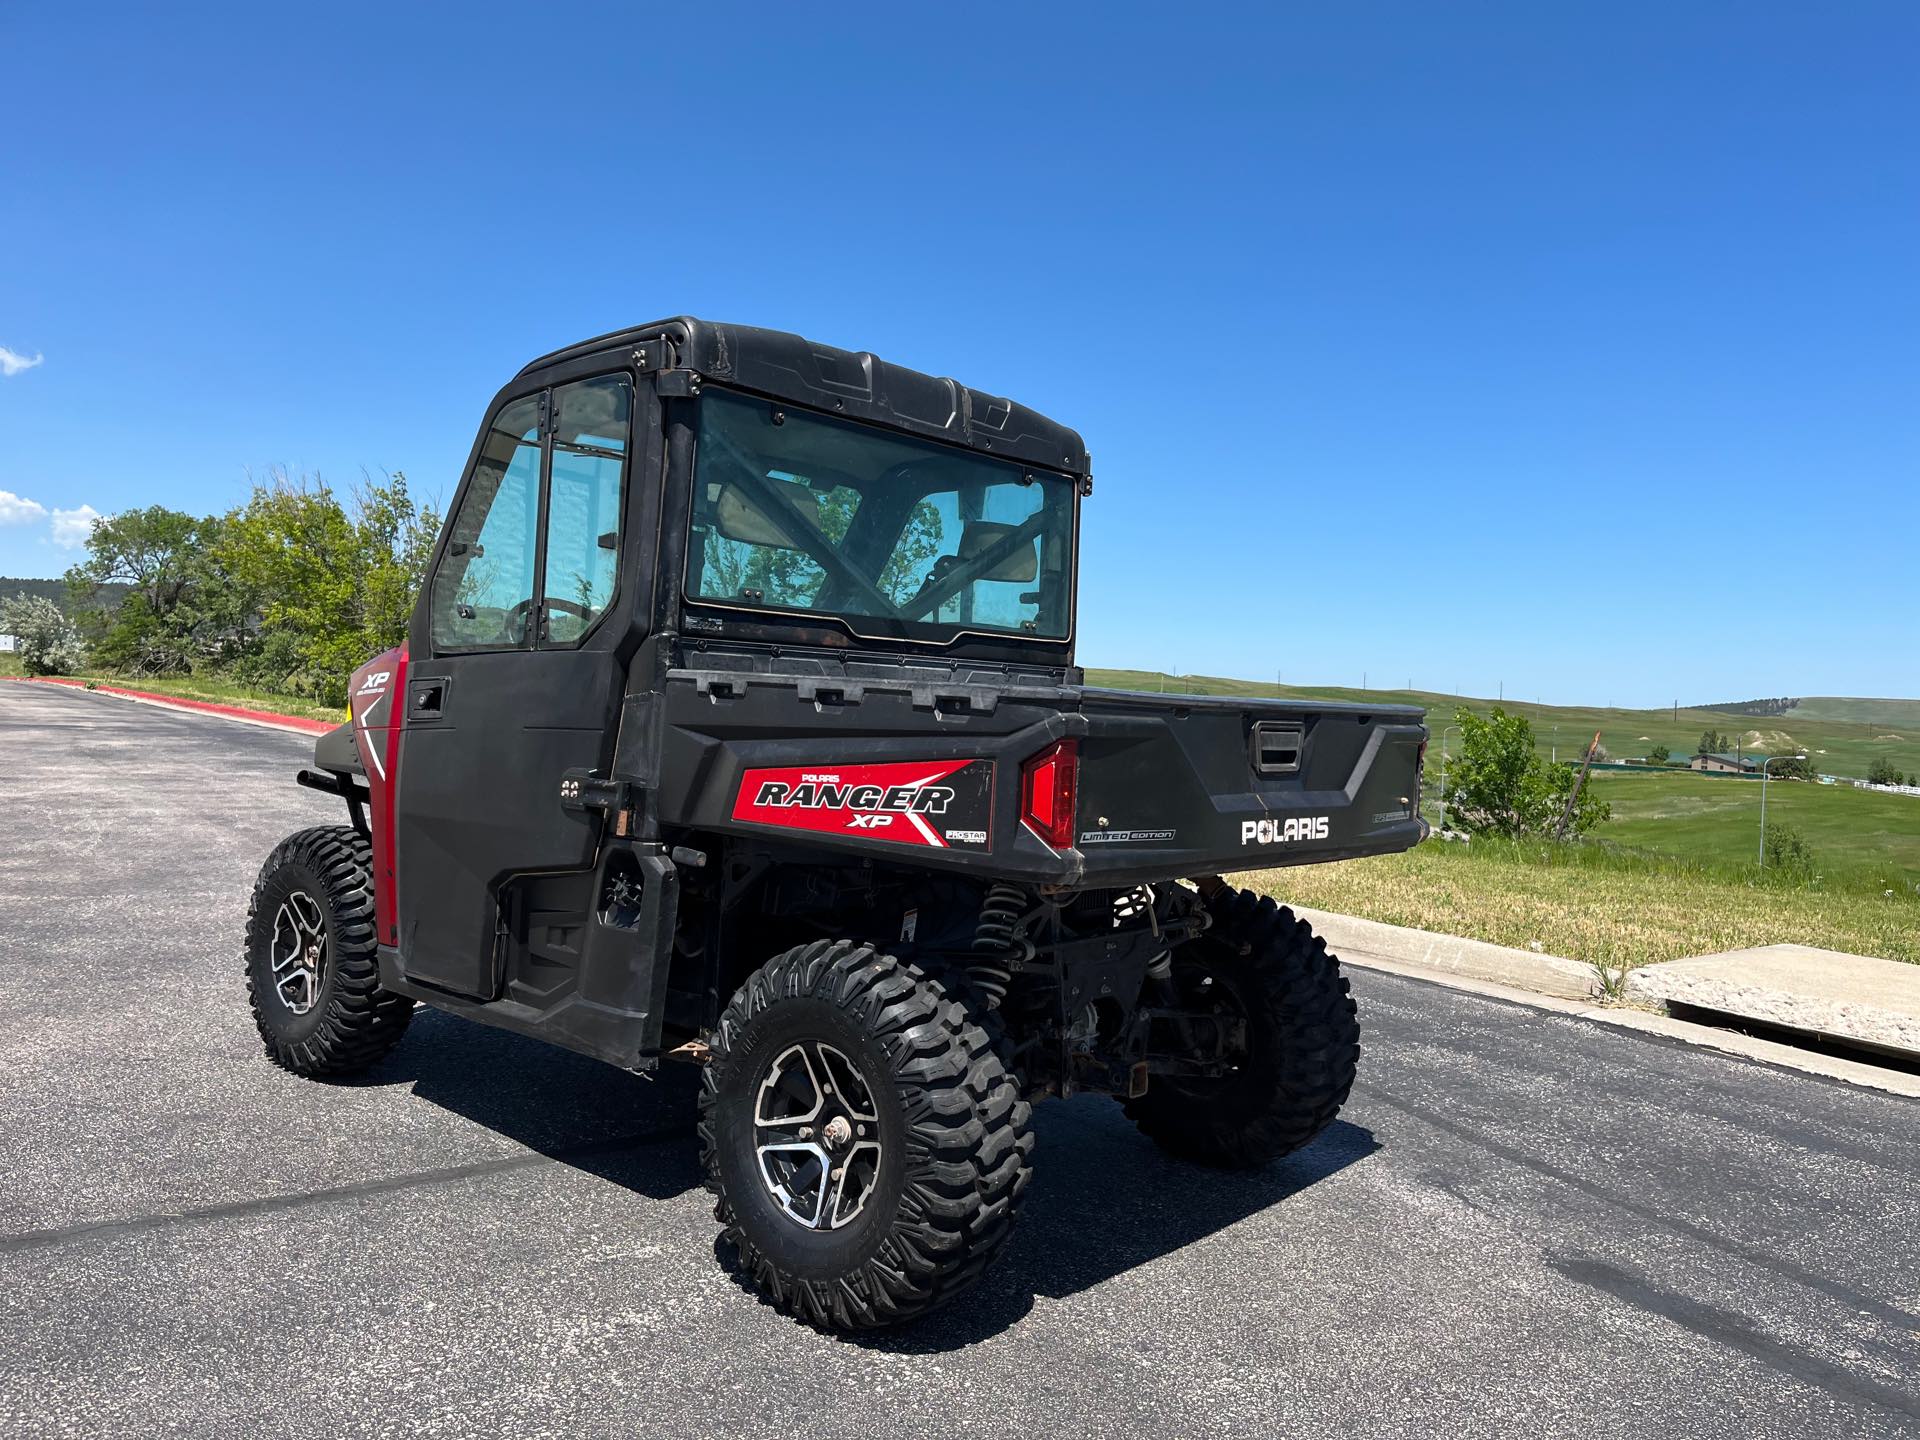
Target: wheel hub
column 299, row 951
column 816, row 1136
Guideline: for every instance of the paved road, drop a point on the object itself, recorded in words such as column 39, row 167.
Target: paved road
column 1525, row 1225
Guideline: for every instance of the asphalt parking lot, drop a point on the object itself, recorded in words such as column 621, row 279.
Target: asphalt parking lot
column 1524, row 1225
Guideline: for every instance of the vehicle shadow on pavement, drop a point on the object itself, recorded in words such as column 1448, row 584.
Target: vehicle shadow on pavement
column 636, row 1131
column 1080, row 1225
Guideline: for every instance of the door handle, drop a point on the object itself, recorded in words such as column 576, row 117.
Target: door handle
column 426, row 699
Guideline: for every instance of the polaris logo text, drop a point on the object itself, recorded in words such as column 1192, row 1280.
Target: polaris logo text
column 1280, row 832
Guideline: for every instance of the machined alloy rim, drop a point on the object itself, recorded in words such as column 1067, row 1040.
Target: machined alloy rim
column 816, row 1136
column 299, row 951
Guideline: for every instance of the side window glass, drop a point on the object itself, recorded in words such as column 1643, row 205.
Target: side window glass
column 483, row 590
column 583, row 507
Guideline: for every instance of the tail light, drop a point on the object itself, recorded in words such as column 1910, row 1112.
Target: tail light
column 1050, row 793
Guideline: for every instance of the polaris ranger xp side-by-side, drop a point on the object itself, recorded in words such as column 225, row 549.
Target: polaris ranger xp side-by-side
column 738, row 722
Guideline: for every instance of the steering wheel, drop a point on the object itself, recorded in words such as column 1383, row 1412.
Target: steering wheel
column 515, row 623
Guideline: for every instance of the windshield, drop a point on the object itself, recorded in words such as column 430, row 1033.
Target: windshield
column 898, row 537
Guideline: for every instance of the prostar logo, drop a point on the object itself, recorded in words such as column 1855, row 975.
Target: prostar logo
column 905, row 802
column 1281, row 832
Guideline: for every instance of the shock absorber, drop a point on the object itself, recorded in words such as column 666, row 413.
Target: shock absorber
column 996, row 946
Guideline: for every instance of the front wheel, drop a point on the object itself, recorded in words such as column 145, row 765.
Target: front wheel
column 866, row 1144
column 1259, row 964
column 313, row 973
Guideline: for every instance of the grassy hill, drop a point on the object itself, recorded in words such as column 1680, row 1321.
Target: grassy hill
column 1881, row 714
column 1830, row 729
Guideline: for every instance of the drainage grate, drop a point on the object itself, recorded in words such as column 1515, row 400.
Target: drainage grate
column 1834, row 1047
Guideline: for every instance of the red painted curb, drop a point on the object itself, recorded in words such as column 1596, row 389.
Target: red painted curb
column 204, row 707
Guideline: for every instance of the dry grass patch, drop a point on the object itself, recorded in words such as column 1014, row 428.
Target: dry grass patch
column 1600, row 906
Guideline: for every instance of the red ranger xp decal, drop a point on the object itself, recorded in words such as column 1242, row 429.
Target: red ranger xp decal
column 943, row 804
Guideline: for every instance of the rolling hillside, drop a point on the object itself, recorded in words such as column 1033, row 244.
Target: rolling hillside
column 1882, row 714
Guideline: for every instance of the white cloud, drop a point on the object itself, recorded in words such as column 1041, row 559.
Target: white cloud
column 12, row 362
column 18, row 510
column 71, row 528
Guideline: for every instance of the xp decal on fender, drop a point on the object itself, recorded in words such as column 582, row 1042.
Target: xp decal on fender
column 865, row 1141
column 738, row 722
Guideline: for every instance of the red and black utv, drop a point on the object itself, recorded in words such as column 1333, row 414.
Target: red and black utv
column 738, row 721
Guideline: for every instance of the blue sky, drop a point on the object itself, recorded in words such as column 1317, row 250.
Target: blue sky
column 1574, row 348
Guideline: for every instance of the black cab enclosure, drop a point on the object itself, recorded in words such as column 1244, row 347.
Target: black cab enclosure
column 721, row 603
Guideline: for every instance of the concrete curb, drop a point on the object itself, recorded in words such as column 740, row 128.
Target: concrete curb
column 1454, row 955
column 1565, row 987
column 296, row 724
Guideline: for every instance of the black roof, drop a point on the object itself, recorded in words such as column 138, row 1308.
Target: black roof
column 855, row 383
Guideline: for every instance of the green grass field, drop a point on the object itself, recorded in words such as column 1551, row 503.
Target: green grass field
column 1857, row 836
column 1825, row 728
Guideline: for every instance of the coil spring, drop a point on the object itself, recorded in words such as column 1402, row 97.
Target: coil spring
column 996, row 946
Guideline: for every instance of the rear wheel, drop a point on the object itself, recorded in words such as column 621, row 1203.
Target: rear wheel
column 866, row 1143
column 1261, row 964
column 313, row 975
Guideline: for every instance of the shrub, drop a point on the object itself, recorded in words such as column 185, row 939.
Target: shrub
column 49, row 645
column 1501, row 785
column 1787, row 850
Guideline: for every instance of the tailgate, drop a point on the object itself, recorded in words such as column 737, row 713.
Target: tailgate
column 1198, row 784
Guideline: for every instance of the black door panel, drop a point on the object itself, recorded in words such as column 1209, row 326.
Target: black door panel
column 515, row 677
column 480, row 798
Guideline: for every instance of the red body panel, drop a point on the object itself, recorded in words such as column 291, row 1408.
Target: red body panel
column 373, row 696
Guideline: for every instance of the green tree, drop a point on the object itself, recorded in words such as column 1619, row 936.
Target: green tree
column 1658, row 755
column 1881, row 772
column 1789, row 765
column 159, row 555
column 47, row 641
column 1500, row 784
column 333, row 586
